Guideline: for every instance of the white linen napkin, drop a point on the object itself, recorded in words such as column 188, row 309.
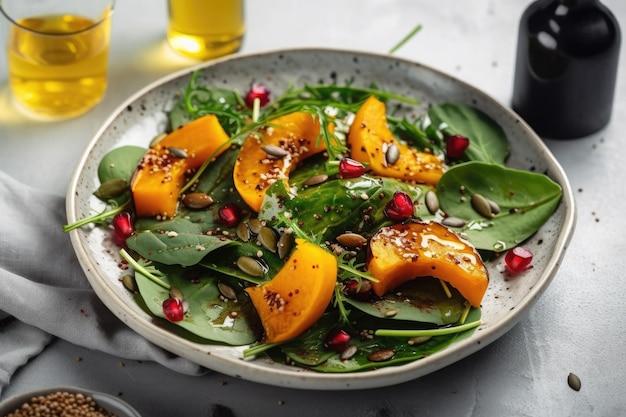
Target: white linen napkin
column 44, row 293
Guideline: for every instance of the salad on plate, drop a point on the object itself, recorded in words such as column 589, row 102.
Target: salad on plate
column 332, row 228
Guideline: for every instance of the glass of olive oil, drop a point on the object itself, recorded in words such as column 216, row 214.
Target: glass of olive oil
column 206, row 29
column 57, row 53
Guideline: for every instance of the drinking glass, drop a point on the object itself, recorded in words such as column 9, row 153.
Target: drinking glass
column 57, row 54
column 205, row 29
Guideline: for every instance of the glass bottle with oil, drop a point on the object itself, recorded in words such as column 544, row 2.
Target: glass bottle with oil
column 566, row 69
column 206, row 29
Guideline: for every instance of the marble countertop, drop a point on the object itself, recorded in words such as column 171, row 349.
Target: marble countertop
column 577, row 326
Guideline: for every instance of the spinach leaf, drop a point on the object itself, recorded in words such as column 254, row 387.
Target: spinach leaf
column 308, row 350
column 118, row 164
column 224, row 261
column 526, row 201
column 338, row 206
column 488, row 142
column 421, row 300
column 176, row 242
column 209, row 315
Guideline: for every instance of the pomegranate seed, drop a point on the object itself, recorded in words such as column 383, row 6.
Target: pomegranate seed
column 518, row 259
column 257, row 91
column 349, row 168
column 400, row 207
column 173, row 309
column 123, row 228
column 456, row 146
column 361, row 292
column 337, row 340
column 230, row 215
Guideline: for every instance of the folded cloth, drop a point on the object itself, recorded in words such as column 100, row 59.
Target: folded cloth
column 44, row 290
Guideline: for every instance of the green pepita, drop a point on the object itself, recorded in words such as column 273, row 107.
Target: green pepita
column 111, row 188
column 481, row 205
column 250, row 266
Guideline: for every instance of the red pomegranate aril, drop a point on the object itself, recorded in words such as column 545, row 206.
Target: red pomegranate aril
column 123, row 228
column 400, row 207
column 349, row 168
column 173, row 309
column 358, row 290
column 518, row 259
column 456, row 146
column 230, row 215
column 257, row 91
column 337, row 340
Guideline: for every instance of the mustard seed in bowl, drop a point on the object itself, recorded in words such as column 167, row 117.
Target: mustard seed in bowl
column 65, row 402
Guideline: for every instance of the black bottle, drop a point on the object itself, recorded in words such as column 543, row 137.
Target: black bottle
column 566, row 67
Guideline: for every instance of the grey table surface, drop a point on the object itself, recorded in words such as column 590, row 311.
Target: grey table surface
column 576, row 326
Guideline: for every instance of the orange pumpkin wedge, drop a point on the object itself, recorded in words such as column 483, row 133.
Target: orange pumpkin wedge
column 160, row 176
column 256, row 170
column 369, row 139
column 298, row 295
column 403, row 252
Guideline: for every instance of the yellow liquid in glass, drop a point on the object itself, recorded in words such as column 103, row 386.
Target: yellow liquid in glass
column 58, row 69
column 205, row 29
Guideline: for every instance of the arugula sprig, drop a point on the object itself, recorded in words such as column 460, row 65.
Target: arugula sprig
column 100, row 218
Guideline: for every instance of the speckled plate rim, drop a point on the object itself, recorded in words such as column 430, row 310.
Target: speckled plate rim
column 110, row 403
column 532, row 152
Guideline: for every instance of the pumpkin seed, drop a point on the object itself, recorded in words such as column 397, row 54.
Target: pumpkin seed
column 432, row 202
column 392, row 154
column 348, row 353
column 227, row 291
column 243, row 231
column 255, row 225
column 176, row 293
column 351, row 240
column 250, row 266
column 316, row 179
column 381, row 355
column 391, row 312
column 285, row 243
column 177, row 152
column 158, row 138
column 453, row 222
column 267, row 238
column 573, row 381
column 481, row 205
column 197, row 200
column 111, row 188
column 275, row 151
column 128, row 281
column 495, row 208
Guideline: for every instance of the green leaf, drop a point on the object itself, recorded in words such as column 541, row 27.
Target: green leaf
column 176, row 242
column 421, row 300
column 120, row 164
column 224, row 261
column 337, row 206
column 526, row 201
column 308, row 349
column 210, row 316
column 488, row 142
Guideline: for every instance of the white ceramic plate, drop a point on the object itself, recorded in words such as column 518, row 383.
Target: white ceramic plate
column 144, row 115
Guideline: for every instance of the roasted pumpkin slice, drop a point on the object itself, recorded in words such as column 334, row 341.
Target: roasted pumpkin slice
column 272, row 154
column 298, row 295
column 161, row 173
column 403, row 252
column 370, row 141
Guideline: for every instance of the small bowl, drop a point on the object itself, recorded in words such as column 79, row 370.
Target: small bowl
column 108, row 402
